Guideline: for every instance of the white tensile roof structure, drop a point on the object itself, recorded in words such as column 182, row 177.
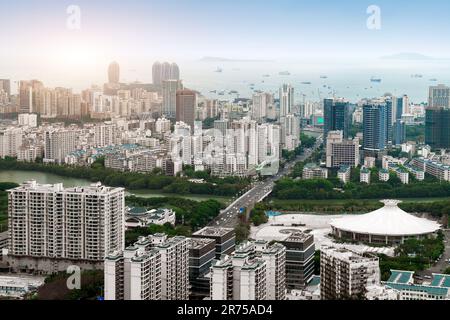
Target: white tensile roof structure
column 387, row 221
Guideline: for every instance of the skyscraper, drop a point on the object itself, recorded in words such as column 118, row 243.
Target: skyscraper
column 114, row 73
column 157, row 73
column 437, row 127
column 185, row 106
column 5, row 85
column 286, row 100
column 174, row 72
column 169, row 92
column 336, row 116
column 399, row 132
column 439, row 96
column 28, row 91
column 375, row 127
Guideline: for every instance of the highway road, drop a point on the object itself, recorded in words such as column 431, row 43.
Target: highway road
column 228, row 218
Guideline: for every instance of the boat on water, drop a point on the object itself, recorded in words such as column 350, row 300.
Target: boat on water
column 233, row 92
column 373, row 79
column 218, row 70
column 221, row 93
column 433, row 79
column 266, row 75
column 306, row 82
column 417, row 75
column 213, row 91
column 284, row 73
column 323, row 77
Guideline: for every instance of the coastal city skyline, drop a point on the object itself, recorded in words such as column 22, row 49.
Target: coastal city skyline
column 267, row 152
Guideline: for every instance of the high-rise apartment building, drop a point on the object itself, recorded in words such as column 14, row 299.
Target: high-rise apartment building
column 286, row 100
column 261, row 104
column 52, row 227
column 345, row 274
column 169, row 92
column 105, row 135
column 5, row 85
column 165, row 71
column 114, row 73
column 154, row 268
column 340, row 151
column 58, row 144
column 186, row 103
column 11, row 139
column 254, row 272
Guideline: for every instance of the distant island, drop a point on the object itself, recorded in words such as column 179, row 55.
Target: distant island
column 408, row 56
column 220, row 59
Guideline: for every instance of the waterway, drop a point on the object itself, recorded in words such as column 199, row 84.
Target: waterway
column 18, row 176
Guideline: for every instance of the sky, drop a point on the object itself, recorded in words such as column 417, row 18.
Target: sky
column 35, row 36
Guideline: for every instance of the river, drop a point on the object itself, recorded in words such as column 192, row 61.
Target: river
column 18, row 176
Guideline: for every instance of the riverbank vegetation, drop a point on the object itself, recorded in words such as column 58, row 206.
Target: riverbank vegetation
column 156, row 180
column 190, row 216
column 4, row 204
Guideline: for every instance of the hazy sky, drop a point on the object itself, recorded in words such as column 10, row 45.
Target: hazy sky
column 35, row 37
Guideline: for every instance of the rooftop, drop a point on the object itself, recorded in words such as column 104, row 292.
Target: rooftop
column 389, row 220
column 212, row 231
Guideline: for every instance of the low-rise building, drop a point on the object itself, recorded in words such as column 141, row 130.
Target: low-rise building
column 383, row 175
column 344, row 173
column 141, row 217
column 313, row 171
column 364, row 175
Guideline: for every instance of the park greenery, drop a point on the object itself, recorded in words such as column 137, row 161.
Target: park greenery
column 321, row 189
column 190, row 216
column 258, row 214
column 413, row 255
column 155, row 180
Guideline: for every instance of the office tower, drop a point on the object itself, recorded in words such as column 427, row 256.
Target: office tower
column 174, row 72
column 58, row 144
column 5, row 85
column 389, row 121
column 336, row 116
column 437, row 127
column 340, row 151
column 52, row 227
column 154, row 268
column 114, row 73
column 11, row 139
column 225, row 239
column 290, row 132
column 375, row 127
column 186, row 103
column 28, row 91
column 439, row 96
column 202, row 252
column 399, row 133
column 286, row 100
column 345, row 274
column 169, row 92
column 157, row 73
column 275, row 258
column 105, row 135
column 300, row 251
